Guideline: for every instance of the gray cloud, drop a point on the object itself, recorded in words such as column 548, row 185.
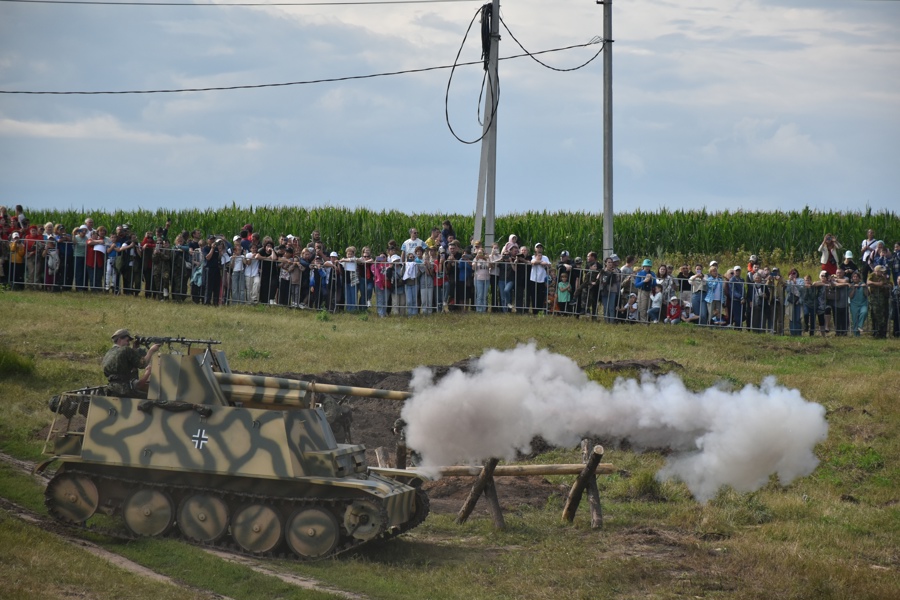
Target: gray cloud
column 735, row 105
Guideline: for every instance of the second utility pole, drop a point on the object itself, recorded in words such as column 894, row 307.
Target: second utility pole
column 607, row 130
column 487, row 173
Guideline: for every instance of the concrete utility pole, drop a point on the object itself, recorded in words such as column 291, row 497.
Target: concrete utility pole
column 485, row 204
column 607, row 130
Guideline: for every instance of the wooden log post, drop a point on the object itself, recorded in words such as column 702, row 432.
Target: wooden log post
column 574, row 498
column 592, row 489
column 487, row 474
column 490, row 494
column 382, row 457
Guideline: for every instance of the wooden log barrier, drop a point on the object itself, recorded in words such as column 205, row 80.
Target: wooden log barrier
column 382, row 457
column 525, row 470
column 574, row 498
column 487, row 474
column 490, row 494
column 592, row 489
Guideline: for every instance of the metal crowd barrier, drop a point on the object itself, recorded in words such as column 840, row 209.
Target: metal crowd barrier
column 179, row 274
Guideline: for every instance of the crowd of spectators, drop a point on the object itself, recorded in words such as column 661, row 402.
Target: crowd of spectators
column 440, row 273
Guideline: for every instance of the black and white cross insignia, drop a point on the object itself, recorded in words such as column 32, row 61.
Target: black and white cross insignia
column 199, row 439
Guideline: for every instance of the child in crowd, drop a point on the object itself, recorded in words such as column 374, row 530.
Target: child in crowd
column 655, row 304
column 716, row 317
column 630, row 309
column 673, row 311
column 688, row 315
column 563, row 293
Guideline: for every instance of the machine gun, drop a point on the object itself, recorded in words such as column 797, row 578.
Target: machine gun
column 147, row 340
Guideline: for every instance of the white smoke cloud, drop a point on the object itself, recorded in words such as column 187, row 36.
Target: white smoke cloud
column 718, row 437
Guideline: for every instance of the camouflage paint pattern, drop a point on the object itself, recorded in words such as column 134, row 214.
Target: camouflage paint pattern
column 204, row 426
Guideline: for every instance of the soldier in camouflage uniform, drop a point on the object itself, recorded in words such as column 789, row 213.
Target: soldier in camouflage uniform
column 879, row 296
column 339, row 417
column 121, row 364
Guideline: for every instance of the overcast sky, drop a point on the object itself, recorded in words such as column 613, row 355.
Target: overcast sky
column 723, row 104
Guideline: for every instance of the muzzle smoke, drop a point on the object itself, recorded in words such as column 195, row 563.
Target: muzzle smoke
column 718, row 437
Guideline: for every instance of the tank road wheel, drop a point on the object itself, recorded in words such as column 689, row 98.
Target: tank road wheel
column 257, row 528
column 148, row 512
column 363, row 520
column 72, row 498
column 312, row 532
column 203, row 518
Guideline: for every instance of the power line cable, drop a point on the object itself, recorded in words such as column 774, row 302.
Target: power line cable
column 584, row 64
column 286, row 84
column 261, row 4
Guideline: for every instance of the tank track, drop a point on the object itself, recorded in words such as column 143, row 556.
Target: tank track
column 285, row 506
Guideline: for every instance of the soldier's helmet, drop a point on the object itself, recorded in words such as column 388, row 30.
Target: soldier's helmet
column 120, row 334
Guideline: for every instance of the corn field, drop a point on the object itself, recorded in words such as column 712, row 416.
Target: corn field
column 794, row 235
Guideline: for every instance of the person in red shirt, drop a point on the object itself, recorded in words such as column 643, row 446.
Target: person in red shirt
column 673, row 311
column 752, row 266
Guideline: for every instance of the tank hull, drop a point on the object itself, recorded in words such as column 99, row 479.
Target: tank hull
column 189, row 504
column 254, row 480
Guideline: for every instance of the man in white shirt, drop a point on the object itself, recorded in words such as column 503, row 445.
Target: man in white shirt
column 866, row 252
column 540, row 274
column 410, row 245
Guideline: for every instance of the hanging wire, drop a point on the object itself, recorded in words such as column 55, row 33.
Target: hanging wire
column 531, row 55
column 485, row 12
column 286, row 84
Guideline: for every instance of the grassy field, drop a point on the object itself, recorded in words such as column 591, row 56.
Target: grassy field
column 833, row 534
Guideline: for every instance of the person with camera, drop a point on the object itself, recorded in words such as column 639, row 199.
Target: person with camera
column 840, row 285
column 212, row 270
column 610, row 284
column 866, row 252
column 829, row 254
column 794, row 299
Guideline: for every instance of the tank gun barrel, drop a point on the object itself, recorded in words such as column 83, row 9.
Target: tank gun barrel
column 260, row 390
